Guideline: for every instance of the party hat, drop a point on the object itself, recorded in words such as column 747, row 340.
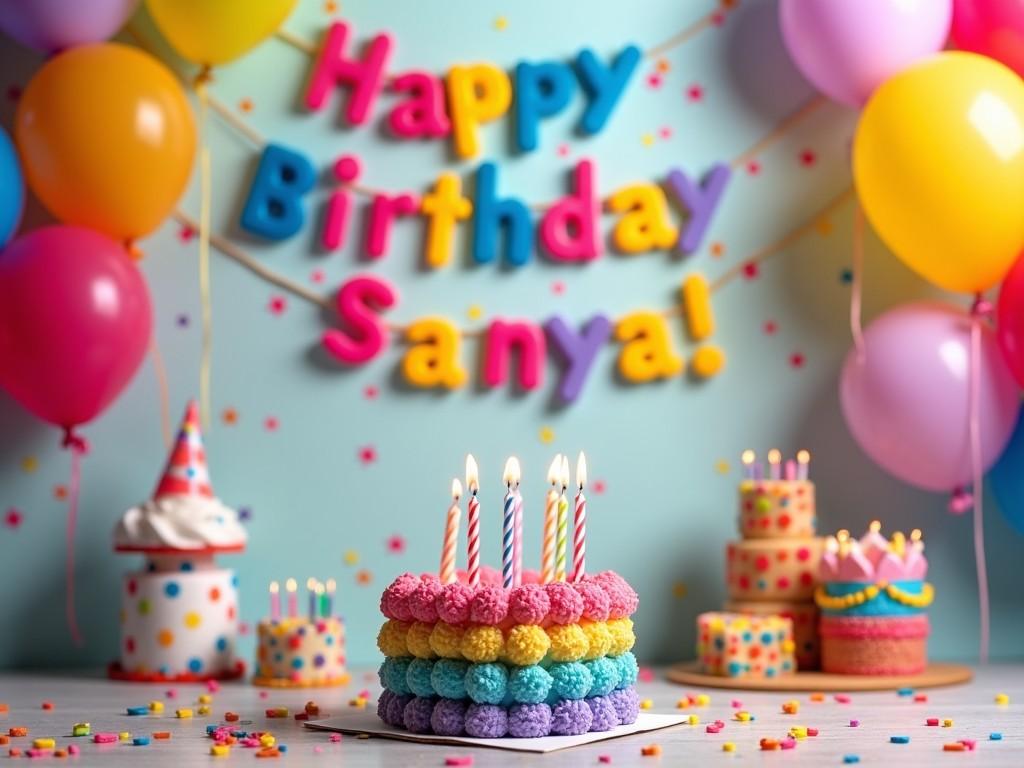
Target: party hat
column 186, row 473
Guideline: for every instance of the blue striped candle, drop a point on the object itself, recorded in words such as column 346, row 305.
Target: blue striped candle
column 508, row 523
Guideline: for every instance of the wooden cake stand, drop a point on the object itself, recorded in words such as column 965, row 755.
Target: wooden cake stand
column 936, row 675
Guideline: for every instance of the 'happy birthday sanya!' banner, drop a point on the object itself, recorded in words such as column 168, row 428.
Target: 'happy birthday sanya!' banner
column 568, row 230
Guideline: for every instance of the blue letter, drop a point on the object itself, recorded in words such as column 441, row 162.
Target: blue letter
column 273, row 208
column 604, row 85
column 542, row 90
column 489, row 214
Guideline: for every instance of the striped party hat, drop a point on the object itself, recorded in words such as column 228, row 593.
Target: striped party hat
column 186, row 473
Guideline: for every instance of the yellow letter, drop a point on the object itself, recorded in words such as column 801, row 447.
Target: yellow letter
column 708, row 359
column 443, row 207
column 433, row 360
column 476, row 94
column 646, row 225
column 647, row 354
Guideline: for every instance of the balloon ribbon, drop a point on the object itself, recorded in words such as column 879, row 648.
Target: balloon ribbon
column 78, row 447
column 979, row 311
column 205, row 202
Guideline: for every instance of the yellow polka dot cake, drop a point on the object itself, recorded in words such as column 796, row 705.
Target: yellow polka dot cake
column 735, row 645
column 179, row 614
column 301, row 652
column 510, row 654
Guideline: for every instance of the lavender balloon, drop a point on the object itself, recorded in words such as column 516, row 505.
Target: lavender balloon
column 847, row 48
column 906, row 402
column 53, row 25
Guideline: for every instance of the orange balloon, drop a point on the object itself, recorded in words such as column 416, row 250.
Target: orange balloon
column 107, row 139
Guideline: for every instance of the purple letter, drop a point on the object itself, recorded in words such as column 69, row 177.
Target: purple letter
column 700, row 200
column 579, row 351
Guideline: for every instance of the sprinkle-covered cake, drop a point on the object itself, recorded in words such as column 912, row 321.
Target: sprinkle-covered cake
column 490, row 656
column 179, row 614
column 735, row 645
column 873, row 598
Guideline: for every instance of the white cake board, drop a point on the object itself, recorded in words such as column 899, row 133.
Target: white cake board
column 368, row 722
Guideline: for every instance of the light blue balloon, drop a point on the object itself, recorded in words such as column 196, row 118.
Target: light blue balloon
column 1007, row 477
column 12, row 189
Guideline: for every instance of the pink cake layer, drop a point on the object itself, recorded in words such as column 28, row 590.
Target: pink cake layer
column 874, row 645
column 423, row 598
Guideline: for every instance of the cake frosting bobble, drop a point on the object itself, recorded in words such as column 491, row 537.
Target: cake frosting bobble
column 873, row 596
column 510, row 653
column 179, row 613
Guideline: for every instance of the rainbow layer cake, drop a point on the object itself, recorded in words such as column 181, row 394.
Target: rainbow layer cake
column 510, row 654
column 738, row 645
column 873, row 598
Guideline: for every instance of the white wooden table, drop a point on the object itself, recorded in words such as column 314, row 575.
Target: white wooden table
column 79, row 698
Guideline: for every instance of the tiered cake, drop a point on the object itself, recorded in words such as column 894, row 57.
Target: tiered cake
column 179, row 614
column 491, row 655
column 772, row 570
column 873, row 598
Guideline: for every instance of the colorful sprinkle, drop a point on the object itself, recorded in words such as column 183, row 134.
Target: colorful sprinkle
column 899, row 739
column 651, row 750
column 851, row 759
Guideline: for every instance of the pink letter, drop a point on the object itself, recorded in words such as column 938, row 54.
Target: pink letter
column 383, row 210
column 346, row 170
column 357, row 302
column 501, row 337
column 568, row 229
column 423, row 114
column 365, row 76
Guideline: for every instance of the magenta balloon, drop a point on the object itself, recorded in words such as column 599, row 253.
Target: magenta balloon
column 994, row 28
column 847, row 48
column 906, row 403
column 53, row 25
column 75, row 322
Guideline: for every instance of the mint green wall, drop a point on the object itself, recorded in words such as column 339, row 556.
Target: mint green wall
column 667, row 510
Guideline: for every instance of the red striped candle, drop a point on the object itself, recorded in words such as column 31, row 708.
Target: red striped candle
column 579, row 552
column 473, row 550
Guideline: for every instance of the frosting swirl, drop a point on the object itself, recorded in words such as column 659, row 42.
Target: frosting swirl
column 179, row 522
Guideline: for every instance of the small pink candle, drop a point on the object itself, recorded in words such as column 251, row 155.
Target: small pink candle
column 874, row 544
column 916, row 564
column 829, row 568
column 854, row 566
column 291, row 586
column 275, row 601
column 774, row 464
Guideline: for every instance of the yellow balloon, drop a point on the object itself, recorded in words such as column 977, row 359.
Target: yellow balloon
column 107, row 139
column 938, row 161
column 213, row 32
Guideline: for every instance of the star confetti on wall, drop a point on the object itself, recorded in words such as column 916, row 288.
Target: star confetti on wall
column 13, row 518
column 753, row 167
column 370, row 392
column 546, row 435
column 396, row 544
column 722, row 467
column 474, row 312
column 770, row 327
column 679, row 590
column 750, row 270
column 351, row 557
column 271, row 424
column 317, row 276
column 60, row 492
column 29, row 464
column 277, row 305
column 694, row 93
column 181, row 320
column 363, row 577
column 186, row 233
column 245, row 514
column 600, row 486
column 797, row 360
column 367, row 455
column 245, row 106
column 229, row 416
column 807, row 158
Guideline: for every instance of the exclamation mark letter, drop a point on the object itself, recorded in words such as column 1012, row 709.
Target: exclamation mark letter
column 709, row 358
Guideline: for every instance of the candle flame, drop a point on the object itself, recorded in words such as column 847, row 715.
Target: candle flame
column 331, row 586
column 456, row 488
column 319, row 589
column 311, row 584
column 774, row 456
column 291, row 585
column 915, row 535
column 831, row 544
column 803, row 457
column 512, row 471
column 274, row 588
column 748, row 457
column 875, row 526
column 472, row 474
column 581, row 471
column 843, row 535
column 565, row 472
column 555, row 470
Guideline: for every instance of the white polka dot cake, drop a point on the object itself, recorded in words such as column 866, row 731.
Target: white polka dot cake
column 510, row 654
column 736, row 645
column 772, row 569
column 777, row 509
column 301, row 652
column 804, row 616
column 179, row 614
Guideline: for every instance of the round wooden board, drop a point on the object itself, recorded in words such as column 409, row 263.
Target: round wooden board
column 934, row 676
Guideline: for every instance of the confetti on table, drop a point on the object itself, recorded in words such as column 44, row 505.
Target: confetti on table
column 955, row 746
column 367, row 455
column 855, row 723
column 651, row 750
column 995, row 736
column 1002, row 699
column 899, row 739
column 932, row 721
column 13, row 517
column 947, row 722
column 29, row 464
column 458, row 760
column 770, row 327
column 605, row 759
column 693, row 720
column 331, row 6
column 245, row 515
column 791, row 707
column 646, row 704
column 842, row 698
column 851, row 759
column 920, row 698
column 370, row 392
column 729, row 746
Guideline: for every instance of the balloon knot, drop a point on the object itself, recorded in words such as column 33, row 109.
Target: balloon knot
column 204, row 77
column 960, row 501
column 74, row 441
column 981, row 307
column 134, row 251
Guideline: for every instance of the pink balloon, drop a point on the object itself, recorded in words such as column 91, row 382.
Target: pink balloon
column 53, row 25
column 75, row 322
column 994, row 28
column 906, row 403
column 847, row 48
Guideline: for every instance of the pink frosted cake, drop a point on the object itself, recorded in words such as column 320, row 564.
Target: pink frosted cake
column 873, row 598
